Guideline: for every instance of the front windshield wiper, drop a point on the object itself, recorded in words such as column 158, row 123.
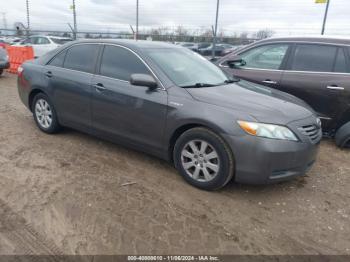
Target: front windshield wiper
column 198, row 85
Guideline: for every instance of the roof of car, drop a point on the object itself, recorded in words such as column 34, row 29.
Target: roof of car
column 130, row 43
column 58, row 37
column 319, row 39
column 51, row 36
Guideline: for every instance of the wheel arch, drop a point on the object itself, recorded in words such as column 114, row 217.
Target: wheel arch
column 182, row 129
column 31, row 96
column 344, row 119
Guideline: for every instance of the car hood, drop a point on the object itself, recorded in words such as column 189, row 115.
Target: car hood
column 264, row 104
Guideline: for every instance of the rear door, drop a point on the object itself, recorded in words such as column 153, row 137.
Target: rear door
column 121, row 110
column 69, row 77
column 319, row 74
column 263, row 64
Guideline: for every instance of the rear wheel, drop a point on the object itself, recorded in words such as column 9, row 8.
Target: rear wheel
column 45, row 114
column 1, row 71
column 203, row 159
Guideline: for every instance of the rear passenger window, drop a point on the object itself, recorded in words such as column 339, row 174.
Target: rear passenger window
column 42, row 41
column 58, row 60
column 120, row 63
column 340, row 62
column 81, row 58
column 317, row 58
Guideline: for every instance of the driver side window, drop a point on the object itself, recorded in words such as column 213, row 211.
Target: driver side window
column 265, row 57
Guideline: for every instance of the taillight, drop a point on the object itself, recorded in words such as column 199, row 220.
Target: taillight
column 20, row 69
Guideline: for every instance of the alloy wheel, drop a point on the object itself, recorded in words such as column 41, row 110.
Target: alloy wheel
column 200, row 160
column 43, row 113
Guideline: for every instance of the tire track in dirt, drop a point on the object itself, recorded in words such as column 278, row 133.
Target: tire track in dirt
column 24, row 239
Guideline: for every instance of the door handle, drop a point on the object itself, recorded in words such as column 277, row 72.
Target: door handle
column 48, row 74
column 100, row 87
column 268, row 81
column 334, row 87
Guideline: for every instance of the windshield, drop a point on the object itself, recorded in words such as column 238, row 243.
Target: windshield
column 60, row 41
column 187, row 68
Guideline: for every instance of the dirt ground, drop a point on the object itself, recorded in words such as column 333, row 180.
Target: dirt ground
column 66, row 194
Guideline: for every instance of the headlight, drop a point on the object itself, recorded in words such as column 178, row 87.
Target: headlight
column 268, row 131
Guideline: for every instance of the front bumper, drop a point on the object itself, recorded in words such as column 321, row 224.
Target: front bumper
column 4, row 65
column 263, row 161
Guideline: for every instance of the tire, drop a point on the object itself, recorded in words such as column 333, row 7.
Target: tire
column 1, row 71
column 44, row 114
column 342, row 137
column 209, row 168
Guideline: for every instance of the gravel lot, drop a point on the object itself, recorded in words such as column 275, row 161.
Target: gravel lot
column 66, row 194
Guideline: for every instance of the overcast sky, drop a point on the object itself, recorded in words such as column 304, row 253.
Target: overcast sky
column 283, row 16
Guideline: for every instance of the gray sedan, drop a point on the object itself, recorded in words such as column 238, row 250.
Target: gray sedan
column 170, row 102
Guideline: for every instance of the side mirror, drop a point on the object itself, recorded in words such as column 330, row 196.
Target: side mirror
column 235, row 61
column 143, row 80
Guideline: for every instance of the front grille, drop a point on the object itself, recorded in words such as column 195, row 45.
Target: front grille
column 311, row 131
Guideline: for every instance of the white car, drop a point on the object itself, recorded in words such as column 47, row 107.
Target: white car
column 43, row 44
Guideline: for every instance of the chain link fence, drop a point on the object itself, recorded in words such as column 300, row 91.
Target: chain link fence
column 152, row 36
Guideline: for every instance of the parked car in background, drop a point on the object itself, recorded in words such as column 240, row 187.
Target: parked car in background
column 4, row 60
column 315, row 69
column 43, row 44
column 3, row 43
column 230, row 50
column 171, row 102
column 203, row 45
column 191, row 46
column 219, row 49
column 14, row 40
column 195, row 46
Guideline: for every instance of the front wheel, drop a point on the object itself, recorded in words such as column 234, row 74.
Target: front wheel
column 1, row 71
column 342, row 137
column 44, row 114
column 204, row 159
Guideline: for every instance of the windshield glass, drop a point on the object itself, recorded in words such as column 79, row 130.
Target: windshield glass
column 187, row 68
column 60, row 41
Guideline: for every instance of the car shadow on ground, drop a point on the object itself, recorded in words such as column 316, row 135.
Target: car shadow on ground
column 231, row 187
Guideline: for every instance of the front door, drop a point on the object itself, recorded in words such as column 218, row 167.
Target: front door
column 262, row 64
column 121, row 110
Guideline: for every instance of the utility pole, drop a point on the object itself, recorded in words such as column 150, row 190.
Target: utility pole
column 325, row 17
column 215, row 29
column 74, row 21
column 137, row 20
column 28, row 18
